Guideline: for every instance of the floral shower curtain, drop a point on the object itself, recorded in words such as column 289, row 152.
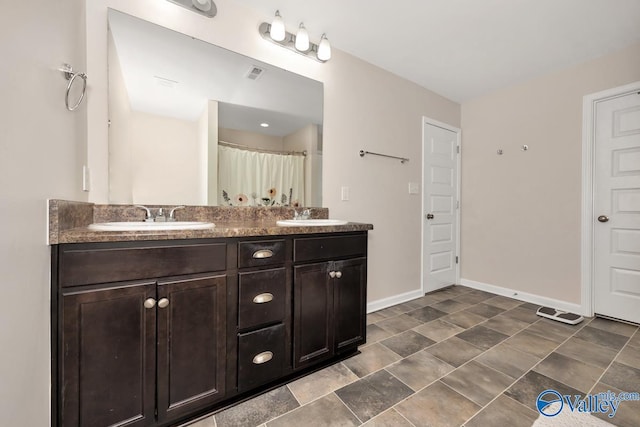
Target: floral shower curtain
column 250, row 178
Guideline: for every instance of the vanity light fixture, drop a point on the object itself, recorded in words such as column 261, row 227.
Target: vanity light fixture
column 277, row 31
column 324, row 49
column 302, row 39
column 299, row 42
column 203, row 7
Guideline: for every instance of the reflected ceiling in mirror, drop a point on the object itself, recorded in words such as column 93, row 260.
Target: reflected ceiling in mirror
column 178, row 88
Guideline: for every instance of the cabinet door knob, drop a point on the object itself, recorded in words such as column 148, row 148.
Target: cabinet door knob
column 332, row 274
column 163, row 303
column 149, row 303
column 263, row 357
column 263, row 253
column 338, row 274
column 262, row 298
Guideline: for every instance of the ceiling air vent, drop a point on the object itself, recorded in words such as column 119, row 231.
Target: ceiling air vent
column 254, row 72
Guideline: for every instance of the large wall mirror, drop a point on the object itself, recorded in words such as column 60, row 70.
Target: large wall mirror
column 193, row 123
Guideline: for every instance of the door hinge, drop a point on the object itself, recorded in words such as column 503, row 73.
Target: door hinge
column 456, row 259
column 458, row 149
column 457, row 204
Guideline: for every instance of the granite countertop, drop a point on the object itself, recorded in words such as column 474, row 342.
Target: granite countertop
column 68, row 223
column 222, row 229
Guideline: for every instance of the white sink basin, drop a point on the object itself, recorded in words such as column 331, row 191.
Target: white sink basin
column 151, row 226
column 310, row 222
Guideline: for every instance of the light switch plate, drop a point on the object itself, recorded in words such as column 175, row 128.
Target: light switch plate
column 344, row 194
column 414, row 188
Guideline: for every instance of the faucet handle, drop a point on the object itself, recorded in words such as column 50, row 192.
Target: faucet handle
column 147, row 217
column 171, row 216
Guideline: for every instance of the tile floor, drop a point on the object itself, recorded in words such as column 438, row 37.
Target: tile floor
column 455, row 357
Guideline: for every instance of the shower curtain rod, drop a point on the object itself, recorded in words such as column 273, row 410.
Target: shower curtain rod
column 262, row 150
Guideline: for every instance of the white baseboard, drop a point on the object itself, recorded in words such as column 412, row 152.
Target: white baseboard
column 396, row 299
column 524, row 296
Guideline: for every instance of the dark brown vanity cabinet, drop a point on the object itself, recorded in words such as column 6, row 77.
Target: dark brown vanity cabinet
column 139, row 352
column 329, row 297
column 154, row 333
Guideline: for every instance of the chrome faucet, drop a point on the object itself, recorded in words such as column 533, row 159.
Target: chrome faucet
column 160, row 216
column 147, row 217
column 171, row 216
column 305, row 214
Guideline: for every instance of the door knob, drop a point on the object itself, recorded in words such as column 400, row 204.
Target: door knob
column 338, row 274
column 332, row 274
column 163, row 303
column 149, row 303
column 603, row 218
column 429, row 216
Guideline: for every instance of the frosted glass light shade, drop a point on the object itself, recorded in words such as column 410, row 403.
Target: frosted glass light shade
column 302, row 39
column 203, row 5
column 324, row 49
column 277, row 32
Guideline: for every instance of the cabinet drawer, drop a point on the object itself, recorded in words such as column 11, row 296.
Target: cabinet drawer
column 102, row 263
column 259, row 253
column 261, row 356
column 262, row 297
column 332, row 247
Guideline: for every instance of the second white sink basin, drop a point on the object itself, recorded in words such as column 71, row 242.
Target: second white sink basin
column 310, row 222
column 151, row 226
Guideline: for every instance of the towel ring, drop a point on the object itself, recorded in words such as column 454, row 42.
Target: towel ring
column 67, row 70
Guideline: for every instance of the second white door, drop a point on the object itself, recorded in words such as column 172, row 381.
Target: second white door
column 440, row 206
column 617, row 208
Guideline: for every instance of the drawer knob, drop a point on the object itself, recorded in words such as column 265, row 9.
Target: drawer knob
column 338, row 274
column 263, row 357
column 263, row 253
column 149, row 303
column 163, row 303
column 262, row 298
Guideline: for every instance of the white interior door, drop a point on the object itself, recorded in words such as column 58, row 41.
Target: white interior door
column 440, row 206
column 617, row 208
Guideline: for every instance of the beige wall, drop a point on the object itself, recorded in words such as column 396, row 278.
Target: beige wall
column 364, row 108
column 521, row 211
column 120, row 149
column 306, row 139
column 42, row 149
column 164, row 152
column 210, row 126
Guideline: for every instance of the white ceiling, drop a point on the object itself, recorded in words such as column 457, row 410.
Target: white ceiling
column 462, row 49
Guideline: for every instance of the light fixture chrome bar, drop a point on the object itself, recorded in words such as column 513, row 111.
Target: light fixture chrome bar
column 289, row 42
column 203, row 7
column 402, row 159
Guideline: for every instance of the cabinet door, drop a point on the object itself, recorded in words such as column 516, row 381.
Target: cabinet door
column 349, row 289
column 313, row 309
column 107, row 369
column 191, row 344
